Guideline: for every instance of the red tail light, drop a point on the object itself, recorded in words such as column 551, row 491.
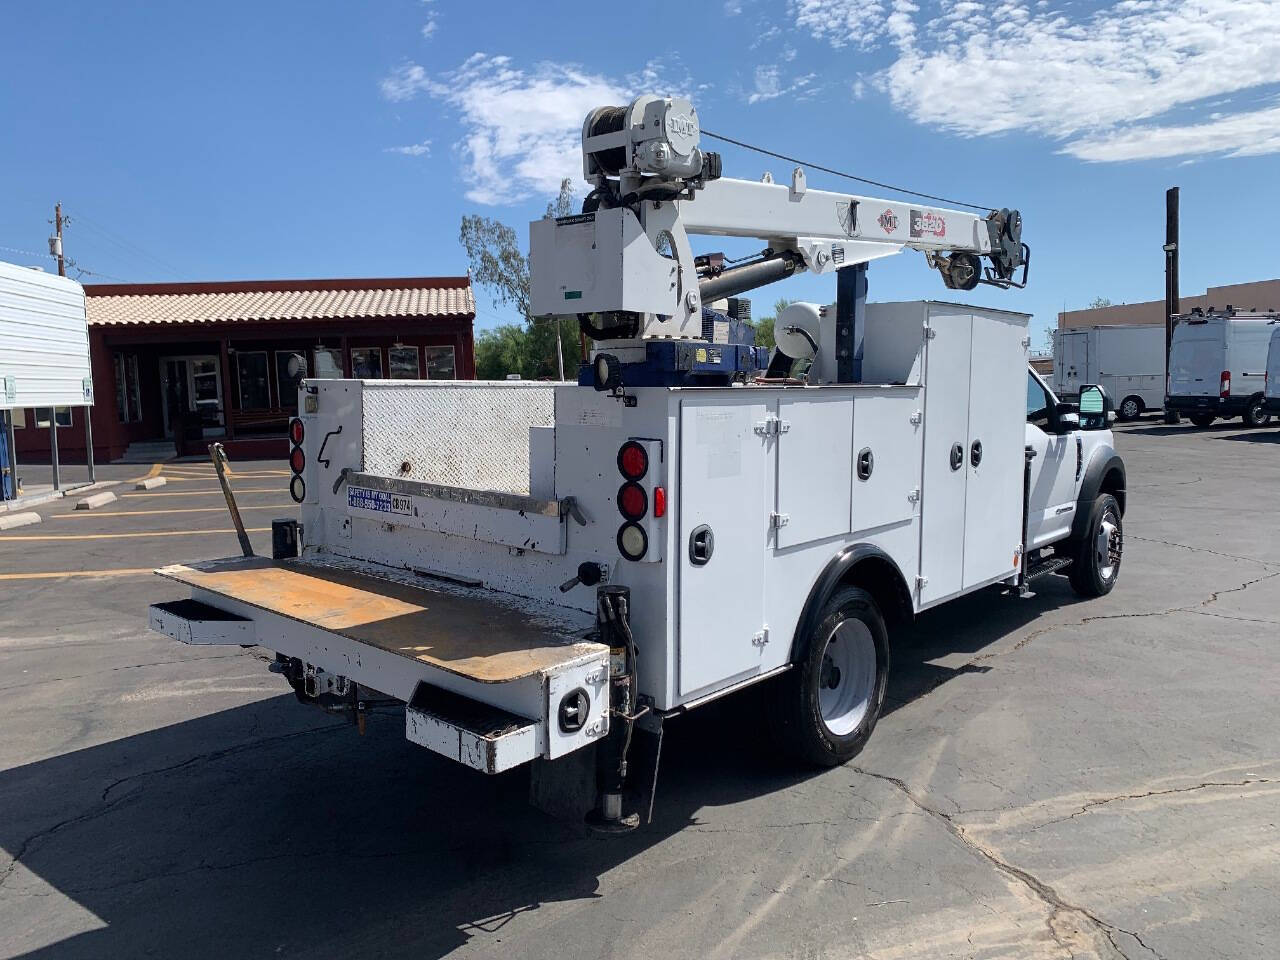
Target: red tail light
column 659, row 501
column 296, row 432
column 297, row 460
column 1224, row 386
column 632, row 500
column 633, row 460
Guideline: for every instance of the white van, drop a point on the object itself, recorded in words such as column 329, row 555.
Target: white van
column 1127, row 360
column 1217, row 366
column 1271, row 391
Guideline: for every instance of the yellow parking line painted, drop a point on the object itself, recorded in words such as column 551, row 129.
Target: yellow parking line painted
column 126, row 536
column 85, row 514
column 54, row 575
column 205, row 493
column 153, row 472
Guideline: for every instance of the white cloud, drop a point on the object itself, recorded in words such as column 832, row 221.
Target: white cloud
column 1251, row 134
column 732, row 8
column 522, row 127
column 769, row 85
column 1126, row 81
column 422, row 149
column 430, row 27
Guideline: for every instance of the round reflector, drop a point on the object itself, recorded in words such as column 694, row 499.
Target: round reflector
column 297, row 489
column 632, row 500
column 633, row 461
column 297, row 460
column 632, row 542
column 296, row 432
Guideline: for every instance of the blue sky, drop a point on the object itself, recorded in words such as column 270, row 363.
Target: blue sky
column 292, row 139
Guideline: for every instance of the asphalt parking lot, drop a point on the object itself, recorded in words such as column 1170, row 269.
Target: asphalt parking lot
column 1054, row 778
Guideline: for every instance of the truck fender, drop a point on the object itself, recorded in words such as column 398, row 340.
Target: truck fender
column 863, row 564
column 1104, row 473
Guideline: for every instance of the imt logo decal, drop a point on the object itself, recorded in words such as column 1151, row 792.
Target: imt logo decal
column 888, row 221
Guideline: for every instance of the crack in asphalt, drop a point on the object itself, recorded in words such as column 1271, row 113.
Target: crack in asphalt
column 1184, row 546
column 1103, row 801
column 1188, row 608
column 106, row 805
column 1060, row 910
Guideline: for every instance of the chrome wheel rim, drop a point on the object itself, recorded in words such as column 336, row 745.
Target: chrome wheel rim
column 1130, row 409
column 1109, row 544
column 847, row 678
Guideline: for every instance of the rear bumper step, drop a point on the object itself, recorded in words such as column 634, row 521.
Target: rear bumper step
column 485, row 738
column 190, row 621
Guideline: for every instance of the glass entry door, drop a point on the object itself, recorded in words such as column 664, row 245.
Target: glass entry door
column 192, row 390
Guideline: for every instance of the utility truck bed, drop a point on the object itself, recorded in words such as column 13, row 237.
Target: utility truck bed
column 471, row 636
column 458, row 656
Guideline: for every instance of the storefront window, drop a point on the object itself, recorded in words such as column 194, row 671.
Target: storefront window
column 366, row 363
column 128, row 390
column 326, row 363
column 404, row 363
column 285, row 381
column 439, row 363
column 43, row 414
column 251, row 372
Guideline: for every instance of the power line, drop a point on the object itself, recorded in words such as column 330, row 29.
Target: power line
column 25, row 253
column 127, row 245
column 841, row 173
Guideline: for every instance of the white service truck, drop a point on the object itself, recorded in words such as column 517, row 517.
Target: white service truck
column 1218, row 365
column 1126, row 360
column 541, row 573
column 1271, row 383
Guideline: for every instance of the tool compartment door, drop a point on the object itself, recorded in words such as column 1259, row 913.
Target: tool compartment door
column 946, row 428
column 724, row 489
column 997, row 421
column 815, row 466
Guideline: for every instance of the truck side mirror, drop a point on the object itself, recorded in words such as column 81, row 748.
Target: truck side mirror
column 1095, row 408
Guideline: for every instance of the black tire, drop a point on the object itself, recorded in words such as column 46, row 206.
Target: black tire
column 798, row 717
column 1130, row 408
column 1201, row 419
column 1090, row 573
column 1254, row 415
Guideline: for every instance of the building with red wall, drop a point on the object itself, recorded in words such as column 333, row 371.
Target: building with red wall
column 177, row 365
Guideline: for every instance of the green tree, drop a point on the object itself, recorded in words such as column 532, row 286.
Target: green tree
column 764, row 325
column 1097, row 303
column 541, row 348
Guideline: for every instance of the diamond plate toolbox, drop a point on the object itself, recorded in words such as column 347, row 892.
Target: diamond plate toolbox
column 454, row 433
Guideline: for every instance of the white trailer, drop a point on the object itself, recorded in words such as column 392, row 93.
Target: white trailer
column 538, row 572
column 1128, row 361
column 44, row 354
column 1218, row 366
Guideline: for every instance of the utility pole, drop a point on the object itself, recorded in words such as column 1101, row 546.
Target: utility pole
column 55, row 245
column 1171, row 299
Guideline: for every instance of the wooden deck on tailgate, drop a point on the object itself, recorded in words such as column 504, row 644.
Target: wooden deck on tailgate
column 467, row 634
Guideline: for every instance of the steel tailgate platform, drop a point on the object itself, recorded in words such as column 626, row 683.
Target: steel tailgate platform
column 440, row 650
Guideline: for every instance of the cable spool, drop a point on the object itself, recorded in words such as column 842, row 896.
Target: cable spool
column 609, row 120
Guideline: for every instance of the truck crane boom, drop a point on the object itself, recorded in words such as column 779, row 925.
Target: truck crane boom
column 627, row 256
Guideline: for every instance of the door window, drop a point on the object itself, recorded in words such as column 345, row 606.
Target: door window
column 1039, row 401
column 284, row 381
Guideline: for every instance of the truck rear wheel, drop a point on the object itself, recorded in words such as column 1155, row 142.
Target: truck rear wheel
column 828, row 704
column 1130, row 408
column 1096, row 563
column 1255, row 415
column 1201, row 419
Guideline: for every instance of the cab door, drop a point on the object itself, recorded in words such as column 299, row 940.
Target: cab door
column 1055, row 469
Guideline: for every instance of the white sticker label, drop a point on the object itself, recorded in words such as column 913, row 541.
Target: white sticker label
column 362, row 498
